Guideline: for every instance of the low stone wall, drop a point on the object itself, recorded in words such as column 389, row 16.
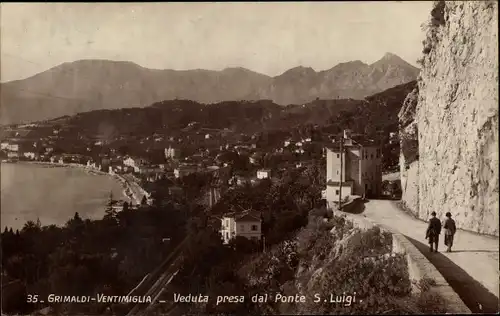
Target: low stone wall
column 352, row 205
column 419, row 267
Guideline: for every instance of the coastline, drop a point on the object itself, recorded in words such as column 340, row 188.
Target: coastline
column 128, row 191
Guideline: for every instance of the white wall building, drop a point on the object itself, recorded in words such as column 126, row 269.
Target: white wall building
column 244, row 225
column 361, row 169
column 263, row 174
column 29, row 155
column 171, row 153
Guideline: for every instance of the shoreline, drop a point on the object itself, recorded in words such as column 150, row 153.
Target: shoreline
column 128, row 192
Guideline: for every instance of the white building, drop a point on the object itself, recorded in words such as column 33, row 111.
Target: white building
column 12, row 154
column 244, row 225
column 171, row 153
column 263, row 174
column 361, row 169
column 12, row 147
column 29, row 155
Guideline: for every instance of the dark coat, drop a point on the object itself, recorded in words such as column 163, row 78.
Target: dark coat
column 449, row 226
column 434, row 228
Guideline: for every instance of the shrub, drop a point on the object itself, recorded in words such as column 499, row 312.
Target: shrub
column 437, row 14
column 377, row 280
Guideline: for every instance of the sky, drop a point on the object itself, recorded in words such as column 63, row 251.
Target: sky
column 267, row 37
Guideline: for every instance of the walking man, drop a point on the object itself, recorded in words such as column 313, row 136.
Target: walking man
column 449, row 231
column 433, row 231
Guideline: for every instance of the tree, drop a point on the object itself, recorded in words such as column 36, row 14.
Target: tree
column 76, row 224
column 110, row 212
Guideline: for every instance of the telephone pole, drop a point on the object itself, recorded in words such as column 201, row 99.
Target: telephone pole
column 341, row 169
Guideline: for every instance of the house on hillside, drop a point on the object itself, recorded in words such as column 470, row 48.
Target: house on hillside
column 13, row 155
column 263, row 174
column 248, row 225
column 30, row 155
column 172, row 153
column 10, row 146
column 361, row 169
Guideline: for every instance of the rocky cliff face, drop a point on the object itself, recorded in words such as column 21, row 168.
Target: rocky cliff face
column 449, row 126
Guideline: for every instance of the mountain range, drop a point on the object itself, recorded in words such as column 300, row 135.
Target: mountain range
column 87, row 85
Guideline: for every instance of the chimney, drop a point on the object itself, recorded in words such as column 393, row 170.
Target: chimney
column 347, row 134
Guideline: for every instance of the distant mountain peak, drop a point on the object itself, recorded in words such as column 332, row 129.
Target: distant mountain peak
column 237, row 69
column 299, row 70
column 389, row 55
column 390, row 58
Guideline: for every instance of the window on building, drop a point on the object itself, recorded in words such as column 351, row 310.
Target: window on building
column 227, row 235
column 337, row 172
column 254, row 227
column 338, row 155
column 337, row 192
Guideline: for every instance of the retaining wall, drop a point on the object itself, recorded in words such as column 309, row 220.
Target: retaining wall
column 419, row 267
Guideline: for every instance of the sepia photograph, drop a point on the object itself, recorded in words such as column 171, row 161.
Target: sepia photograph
column 249, row 158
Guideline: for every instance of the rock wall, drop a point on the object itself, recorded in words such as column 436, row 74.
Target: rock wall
column 454, row 121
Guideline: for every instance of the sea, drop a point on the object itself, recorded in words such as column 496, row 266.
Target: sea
column 52, row 194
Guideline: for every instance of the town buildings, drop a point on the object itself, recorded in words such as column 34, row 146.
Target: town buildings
column 135, row 163
column 360, row 169
column 246, row 225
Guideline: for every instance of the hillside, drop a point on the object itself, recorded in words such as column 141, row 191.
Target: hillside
column 375, row 113
column 88, row 85
column 449, row 125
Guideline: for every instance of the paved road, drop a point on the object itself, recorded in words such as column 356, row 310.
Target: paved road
column 136, row 189
column 472, row 269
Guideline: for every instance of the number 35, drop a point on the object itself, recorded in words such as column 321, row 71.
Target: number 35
column 32, row 298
